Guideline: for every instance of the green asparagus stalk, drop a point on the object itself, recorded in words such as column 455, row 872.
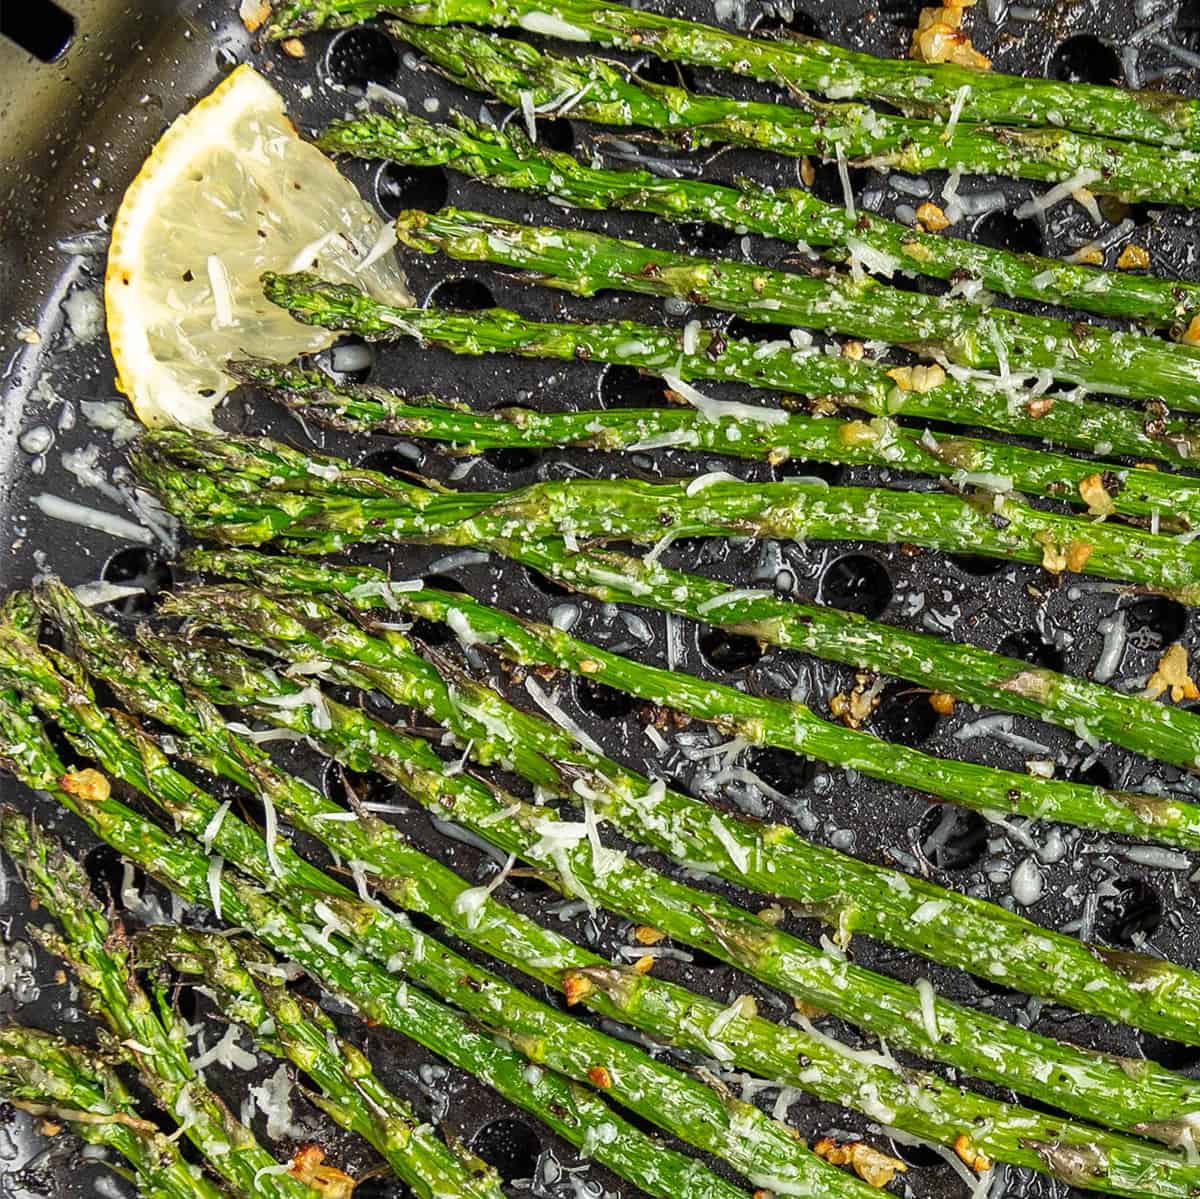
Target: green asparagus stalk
column 1143, row 493
column 508, row 159
column 783, row 724
column 255, row 492
column 98, row 952
column 55, row 1080
column 582, row 1117
column 804, row 64
column 973, row 675
column 862, row 384
column 851, row 895
column 920, row 1103
column 246, row 982
column 696, row 1112
column 1100, row 1089
column 1104, row 360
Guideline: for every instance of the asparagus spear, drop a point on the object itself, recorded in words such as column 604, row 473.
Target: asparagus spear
column 760, row 720
column 984, row 1046
column 801, row 63
column 245, row 980
column 973, row 675
column 97, row 951
column 255, row 491
column 921, row 1103
column 861, row 384
column 697, row 1113
column 507, row 159
column 51, row 1078
column 580, row 1116
column 1143, row 493
column 851, row 895
column 1126, row 364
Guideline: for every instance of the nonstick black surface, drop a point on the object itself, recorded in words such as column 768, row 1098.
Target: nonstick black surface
column 74, row 133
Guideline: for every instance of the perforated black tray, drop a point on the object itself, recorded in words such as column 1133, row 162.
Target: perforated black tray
column 75, row 131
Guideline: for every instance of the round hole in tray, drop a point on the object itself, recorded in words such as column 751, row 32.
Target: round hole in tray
column 511, row 458
column 786, row 16
column 350, row 360
column 789, row 773
column 556, row 133
column 362, row 56
column 952, row 838
column 343, row 786
column 741, row 329
column 1084, row 58
column 671, row 74
column 977, row 565
column 432, row 632
column 905, row 715
column 389, row 462
column 510, row 1146
column 920, row 1157
column 729, row 651
column 1004, row 231
column 1172, row 1054
column 599, row 699
column 1156, row 616
column 1095, row 774
column 856, row 583
column 1135, row 910
column 463, row 295
column 1029, row 646
column 627, row 387
column 137, row 566
column 546, row 585
column 706, row 239
column 398, row 187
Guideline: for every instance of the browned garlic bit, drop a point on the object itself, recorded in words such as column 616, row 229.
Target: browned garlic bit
column 1097, row 497
column 942, row 702
column 932, row 217
column 308, row 1166
column 89, row 785
column 853, row 708
column 293, row 47
column 1191, row 335
column 598, row 1076
column 1056, row 558
column 979, row 1162
column 918, row 378
column 254, row 13
column 1172, row 674
column 875, row 1168
column 1133, row 258
column 645, row 934
column 939, row 37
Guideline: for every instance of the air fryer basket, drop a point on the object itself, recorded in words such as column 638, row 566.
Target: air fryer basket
column 75, row 131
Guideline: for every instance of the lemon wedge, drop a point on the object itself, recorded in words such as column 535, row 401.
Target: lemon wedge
column 231, row 190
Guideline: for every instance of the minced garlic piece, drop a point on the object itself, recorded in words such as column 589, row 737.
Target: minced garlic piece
column 1057, row 558
column 932, row 217
column 980, row 1162
column 918, row 378
column 875, row 1168
column 1096, row 496
column 1133, row 258
column 853, row 708
column 598, row 1076
column 254, row 13
column 1039, row 406
column 308, row 1166
column 293, row 47
column 942, row 702
column 939, row 37
column 646, row 934
column 853, row 350
column 1191, row 335
column 1172, row 674
column 89, row 785
column 1089, row 255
